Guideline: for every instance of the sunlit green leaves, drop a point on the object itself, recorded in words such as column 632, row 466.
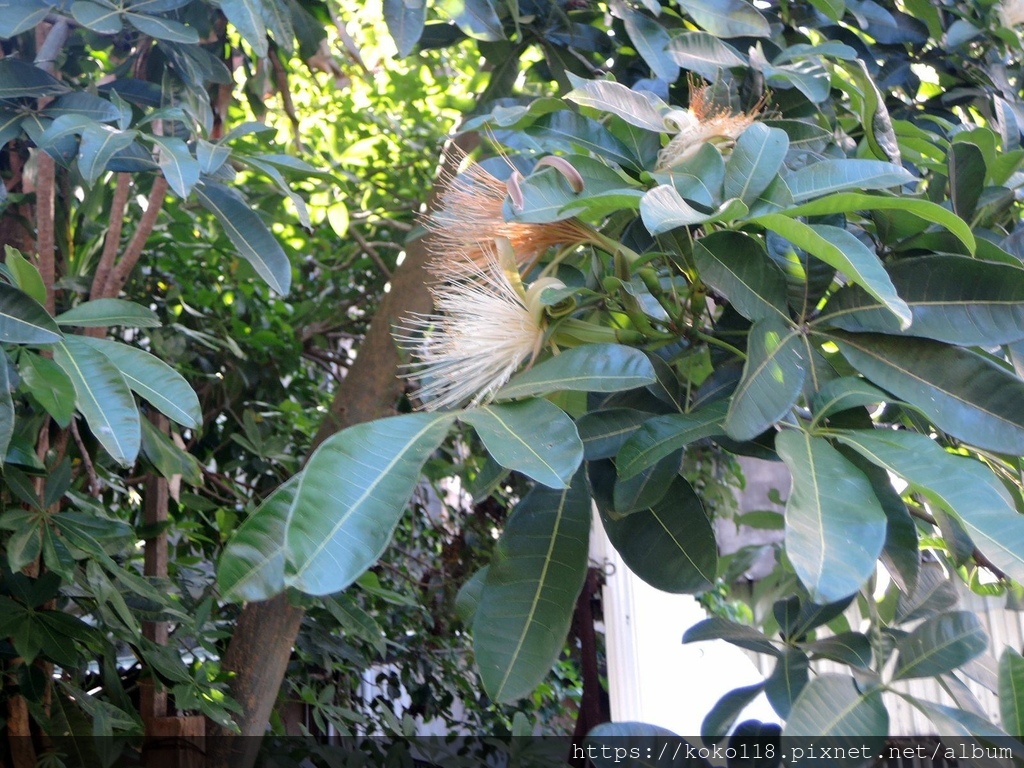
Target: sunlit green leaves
column 736, row 265
column 834, row 707
column 939, row 645
column 828, row 176
column 754, row 162
column 588, row 368
column 727, row 18
column 23, row 320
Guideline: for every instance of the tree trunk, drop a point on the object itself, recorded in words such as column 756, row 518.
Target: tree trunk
column 261, row 645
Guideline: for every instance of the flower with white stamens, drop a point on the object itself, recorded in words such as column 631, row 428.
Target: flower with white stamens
column 485, row 327
column 703, row 123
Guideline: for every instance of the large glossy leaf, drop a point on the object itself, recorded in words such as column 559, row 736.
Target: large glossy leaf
column 650, row 40
column 727, row 18
column 49, row 385
column 720, row 718
column 405, row 20
column 103, row 397
column 101, row 313
column 179, row 167
column 940, row 644
column 477, row 18
column 603, row 432
column 955, row 299
column 717, row 628
column 844, row 393
column 23, row 320
column 966, row 177
column 836, row 713
column 588, row 368
column 754, row 162
column 852, row 648
column 848, row 202
column 640, row 108
column 98, row 146
column 828, row 176
column 736, row 265
column 534, row 437
column 98, row 18
column 787, row 680
column 17, row 16
column 247, row 17
column 962, row 486
column 1011, row 691
column 249, row 234
column 564, row 130
column 646, row 488
column 351, row 495
column 663, row 435
column 21, row 80
column 959, row 390
column 671, row 546
column 842, row 250
column 153, row 380
column 663, row 209
column 835, row 526
column 643, row 744
column 253, row 564
column 163, row 28
column 530, row 590
column 6, row 406
column 704, row 54
column 773, row 377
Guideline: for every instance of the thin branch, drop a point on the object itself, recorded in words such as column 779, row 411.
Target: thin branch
column 90, row 471
column 113, row 239
column 46, row 171
column 370, row 251
column 119, row 274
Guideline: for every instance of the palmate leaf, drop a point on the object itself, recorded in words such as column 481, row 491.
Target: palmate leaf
column 960, row 391
column 955, row 299
column 530, row 590
column 835, row 526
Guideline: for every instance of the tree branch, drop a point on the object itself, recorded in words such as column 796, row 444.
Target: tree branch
column 113, row 239
column 119, row 274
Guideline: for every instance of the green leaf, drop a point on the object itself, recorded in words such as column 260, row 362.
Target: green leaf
column 17, row 16
column 83, row 104
column 754, row 162
column 640, row 108
column 351, row 495
column 168, row 458
column 603, row 432
column 741, row 635
column 939, row 645
column 21, row 80
column 163, row 29
column 773, row 376
column 663, row 208
column 828, row 176
column 247, row 17
column 47, row 383
column 720, row 718
column 671, row 546
column 177, row 164
column 962, row 486
column 736, row 265
column 967, row 174
column 650, row 40
column 99, row 144
column 835, row 526
column 955, row 299
column 832, row 707
column 153, row 380
column 98, row 18
column 477, row 18
column 530, row 591
column 588, row 368
column 534, row 437
column 845, row 252
column 704, row 54
column 852, row 648
column 23, row 320
column 663, row 435
column 102, row 397
column 960, row 391
column 468, row 598
column 567, row 132
column 249, row 234
column 252, row 566
column 26, row 276
column 727, row 18
column 6, row 406
column 787, row 680
column 356, row 622
column 646, row 488
column 645, row 746
column 848, row 202
column 100, row 313
column 1011, row 691
column 845, row 393
column 405, row 20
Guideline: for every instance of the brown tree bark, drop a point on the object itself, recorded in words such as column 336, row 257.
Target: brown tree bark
column 261, row 645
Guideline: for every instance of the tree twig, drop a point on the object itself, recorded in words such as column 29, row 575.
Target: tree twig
column 119, row 274
column 370, row 251
column 90, row 470
column 113, row 239
column 46, row 171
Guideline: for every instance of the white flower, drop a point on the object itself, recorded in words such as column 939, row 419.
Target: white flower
column 486, row 326
column 702, row 123
column 1011, row 13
